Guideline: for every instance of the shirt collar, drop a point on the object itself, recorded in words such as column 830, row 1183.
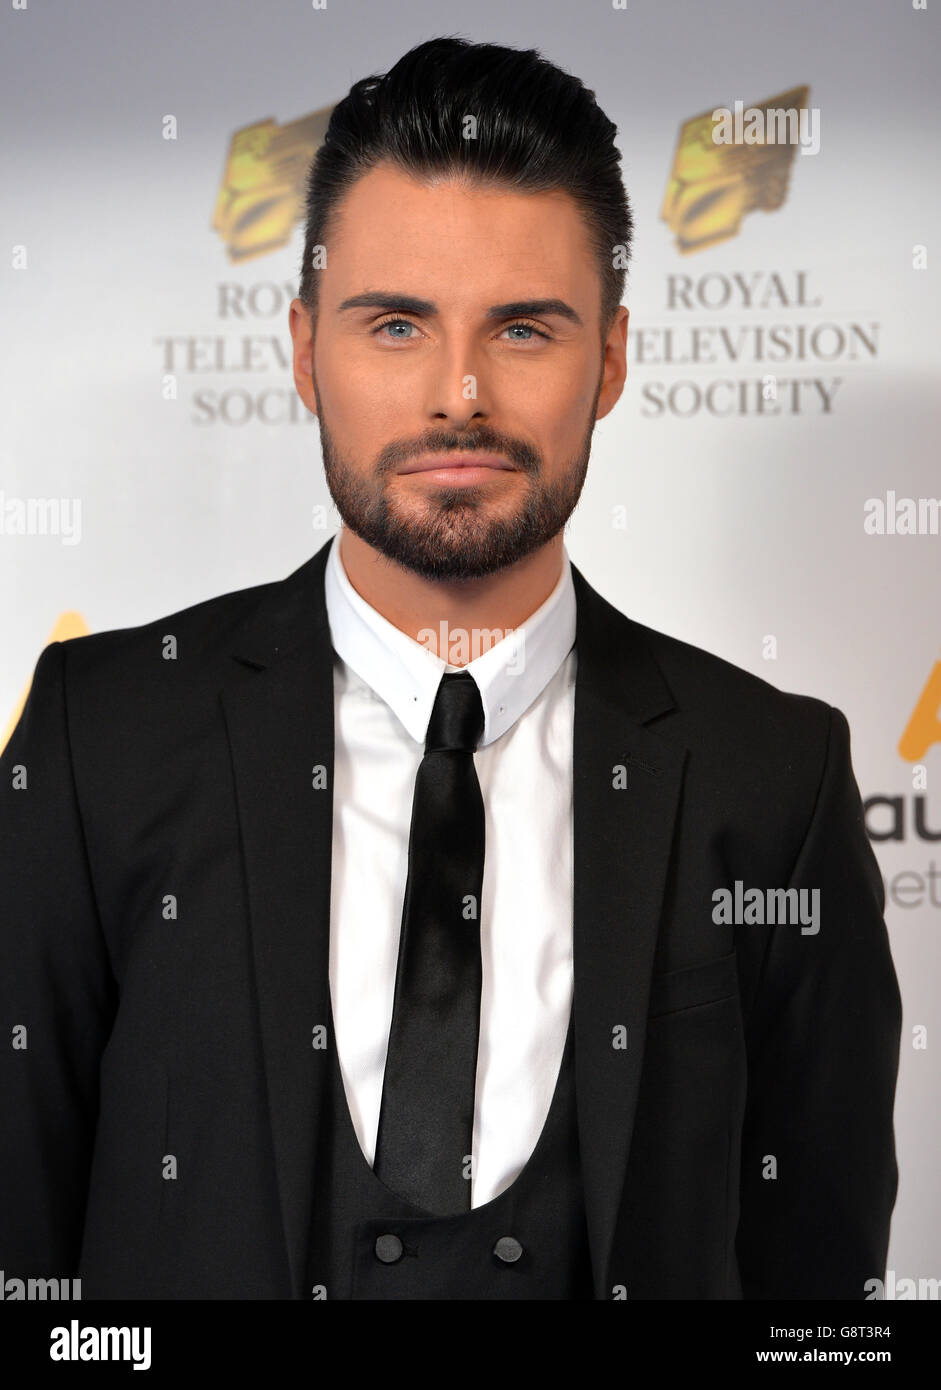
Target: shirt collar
column 406, row 675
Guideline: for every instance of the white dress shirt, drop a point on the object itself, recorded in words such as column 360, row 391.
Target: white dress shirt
column 385, row 685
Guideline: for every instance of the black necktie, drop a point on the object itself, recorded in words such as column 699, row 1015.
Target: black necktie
column 426, row 1116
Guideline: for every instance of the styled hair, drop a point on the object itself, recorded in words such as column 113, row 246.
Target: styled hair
column 537, row 128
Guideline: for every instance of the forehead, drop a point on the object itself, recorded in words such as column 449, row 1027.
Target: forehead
column 457, row 240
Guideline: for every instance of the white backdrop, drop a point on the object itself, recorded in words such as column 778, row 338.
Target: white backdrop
column 725, row 529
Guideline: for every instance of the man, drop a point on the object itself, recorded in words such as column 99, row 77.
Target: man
column 419, row 926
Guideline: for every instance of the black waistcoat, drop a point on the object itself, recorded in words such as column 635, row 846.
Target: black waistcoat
column 529, row 1242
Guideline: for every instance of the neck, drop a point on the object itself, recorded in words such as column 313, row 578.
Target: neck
column 458, row 619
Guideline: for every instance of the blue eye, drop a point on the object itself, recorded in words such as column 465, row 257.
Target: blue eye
column 396, row 323
column 529, row 328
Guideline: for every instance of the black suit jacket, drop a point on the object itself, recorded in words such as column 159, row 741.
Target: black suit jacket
column 166, row 890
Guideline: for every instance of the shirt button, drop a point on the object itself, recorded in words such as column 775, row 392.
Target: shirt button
column 508, row 1249
column 388, row 1249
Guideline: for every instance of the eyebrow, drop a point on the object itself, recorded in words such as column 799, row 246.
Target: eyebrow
column 407, row 303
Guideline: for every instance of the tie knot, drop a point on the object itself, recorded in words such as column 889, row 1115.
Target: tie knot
column 457, row 719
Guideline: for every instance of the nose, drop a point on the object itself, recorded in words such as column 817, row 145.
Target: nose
column 458, row 389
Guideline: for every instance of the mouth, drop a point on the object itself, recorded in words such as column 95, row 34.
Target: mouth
column 459, row 468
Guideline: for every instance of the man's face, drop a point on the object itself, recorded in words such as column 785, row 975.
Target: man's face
column 459, row 325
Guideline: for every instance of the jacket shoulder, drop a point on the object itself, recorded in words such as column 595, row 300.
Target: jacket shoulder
column 204, row 636
column 701, row 677
column 209, row 627
column 744, row 732
column 702, row 684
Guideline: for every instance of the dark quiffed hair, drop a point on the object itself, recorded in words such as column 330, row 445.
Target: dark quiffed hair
column 538, row 128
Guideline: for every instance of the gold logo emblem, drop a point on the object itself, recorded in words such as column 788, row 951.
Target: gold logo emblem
column 263, row 183
column 713, row 185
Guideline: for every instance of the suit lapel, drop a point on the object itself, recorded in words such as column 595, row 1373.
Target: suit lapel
column 279, row 717
column 280, row 725
column 626, row 794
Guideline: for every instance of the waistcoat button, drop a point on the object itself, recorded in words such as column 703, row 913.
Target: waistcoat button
column 388, row 1249
column 508, row 1249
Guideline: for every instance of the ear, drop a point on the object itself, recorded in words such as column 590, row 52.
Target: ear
column 615, row 364
column 302, row 324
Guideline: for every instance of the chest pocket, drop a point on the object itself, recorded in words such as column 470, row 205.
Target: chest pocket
column 708, row 983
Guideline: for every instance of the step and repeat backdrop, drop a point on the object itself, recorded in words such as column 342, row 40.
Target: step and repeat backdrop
column 768, row 487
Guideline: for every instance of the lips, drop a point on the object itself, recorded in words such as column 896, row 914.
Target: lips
column 435, row 462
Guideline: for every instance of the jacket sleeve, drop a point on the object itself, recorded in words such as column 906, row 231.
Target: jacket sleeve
column 819, row 1174
column 57, row 992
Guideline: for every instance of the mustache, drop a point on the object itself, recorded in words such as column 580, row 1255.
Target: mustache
column 522, row 455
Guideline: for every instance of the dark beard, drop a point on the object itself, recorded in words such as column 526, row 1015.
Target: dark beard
column 453, row 537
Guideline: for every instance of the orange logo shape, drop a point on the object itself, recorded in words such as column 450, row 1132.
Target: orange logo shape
column 924, row 727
